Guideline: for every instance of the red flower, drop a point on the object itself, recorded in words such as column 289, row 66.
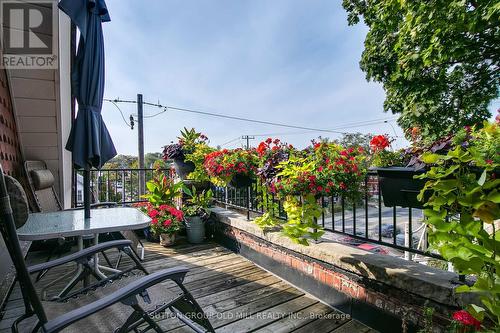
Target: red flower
column 320, row 168
column 261, row 149
column 466, row 319
column 379, row 142
column 269, row 140
column 153, row 213
column 489, row 162
column 167, row 223
column 154, row 221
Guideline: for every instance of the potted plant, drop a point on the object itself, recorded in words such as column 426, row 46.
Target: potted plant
column 199, row 177
column 235, row 167
column 185, row 146
column 304, row 177
column 398, row 170
column 196, row 213
column 463, row 213
column 166, row 221
column 161, row 190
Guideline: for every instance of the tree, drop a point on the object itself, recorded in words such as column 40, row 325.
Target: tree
column 438, row 60
column 355, row 140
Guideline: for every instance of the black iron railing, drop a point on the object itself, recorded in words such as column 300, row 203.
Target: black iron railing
column 396, row 229
column 113, row 185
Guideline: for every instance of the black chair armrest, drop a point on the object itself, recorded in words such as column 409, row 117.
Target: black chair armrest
column 119, row 244
column 134, row 288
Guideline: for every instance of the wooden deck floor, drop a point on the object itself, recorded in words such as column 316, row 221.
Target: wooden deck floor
column 236, row 294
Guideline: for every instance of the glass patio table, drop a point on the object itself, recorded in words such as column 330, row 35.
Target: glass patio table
column 71, row 223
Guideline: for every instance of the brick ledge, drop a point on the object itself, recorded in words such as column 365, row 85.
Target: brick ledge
column 427, row 282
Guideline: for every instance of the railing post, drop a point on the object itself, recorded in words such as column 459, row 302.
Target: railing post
column 248, row 203
column 226, row 197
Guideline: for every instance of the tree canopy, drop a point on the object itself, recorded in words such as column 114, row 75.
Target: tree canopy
column 438, row 60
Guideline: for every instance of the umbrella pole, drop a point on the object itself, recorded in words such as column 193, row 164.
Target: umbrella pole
column 86, row 191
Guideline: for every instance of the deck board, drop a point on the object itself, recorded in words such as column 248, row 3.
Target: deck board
column 237, row 295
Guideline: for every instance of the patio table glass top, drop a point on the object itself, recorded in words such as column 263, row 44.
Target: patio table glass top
column 66, row 223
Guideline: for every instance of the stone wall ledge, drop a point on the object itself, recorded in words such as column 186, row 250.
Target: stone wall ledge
column 424, row 281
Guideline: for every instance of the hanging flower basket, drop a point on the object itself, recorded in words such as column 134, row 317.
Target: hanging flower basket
column 241, row 181
column 183, row 168
column 399, row 188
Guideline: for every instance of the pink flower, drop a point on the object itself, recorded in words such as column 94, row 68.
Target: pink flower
column 167, row 222
column 153, row 213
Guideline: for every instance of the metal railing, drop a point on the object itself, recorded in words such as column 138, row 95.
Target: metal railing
column 367, row 220
column 364, row 221
column 113, row 185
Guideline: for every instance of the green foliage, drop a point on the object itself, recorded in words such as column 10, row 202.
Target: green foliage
column 301, row 224
column 162, row 190
column 197, row 156
column 388, row 158
column 438, row 61
column 428, row 314
column 189, row 139
column 355, row 140
column 198, row 203
column 463, row 211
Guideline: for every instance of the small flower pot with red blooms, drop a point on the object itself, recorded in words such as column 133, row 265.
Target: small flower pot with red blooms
column 235, row 167
column 166, row 221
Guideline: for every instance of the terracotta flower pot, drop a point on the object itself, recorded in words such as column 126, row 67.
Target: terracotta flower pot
column 167, row 240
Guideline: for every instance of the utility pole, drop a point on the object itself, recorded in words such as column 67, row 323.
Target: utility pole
column 140, row 136
column 248, row 138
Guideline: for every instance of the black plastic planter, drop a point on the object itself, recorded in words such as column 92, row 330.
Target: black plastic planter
column 399, row 188
column 183, row 168
column 240, row 181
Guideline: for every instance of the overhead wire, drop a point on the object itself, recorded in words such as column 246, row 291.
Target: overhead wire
column 265, row 122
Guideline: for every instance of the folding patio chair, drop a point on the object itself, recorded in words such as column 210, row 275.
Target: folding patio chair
column 125, row 305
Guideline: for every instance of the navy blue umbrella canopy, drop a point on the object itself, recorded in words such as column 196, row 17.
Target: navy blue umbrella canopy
column 89, row 139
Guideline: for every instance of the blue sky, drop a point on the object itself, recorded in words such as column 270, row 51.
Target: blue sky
column 287, row 61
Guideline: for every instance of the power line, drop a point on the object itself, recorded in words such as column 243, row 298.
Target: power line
column 123, row 117
column 230, row 141
column 265, row 122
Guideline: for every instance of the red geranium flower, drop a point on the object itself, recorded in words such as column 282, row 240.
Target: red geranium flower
column 379, row 142
column 153, row 213
column 466, row 319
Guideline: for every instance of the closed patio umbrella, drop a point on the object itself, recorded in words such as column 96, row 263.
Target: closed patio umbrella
column 89, row 139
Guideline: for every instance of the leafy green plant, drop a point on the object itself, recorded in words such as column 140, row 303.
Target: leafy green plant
column 163, row 190
column 198, row 203
column 197, row 156
column 462, row 212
